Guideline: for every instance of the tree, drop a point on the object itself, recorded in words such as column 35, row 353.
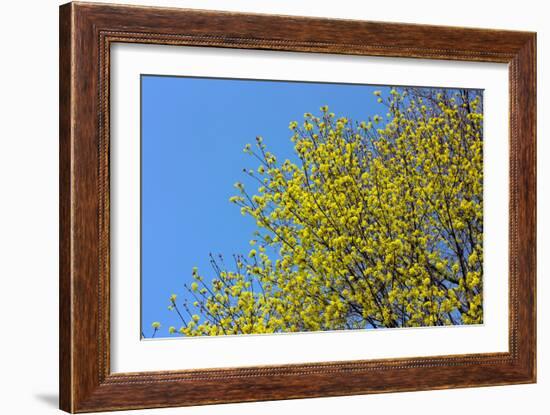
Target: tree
column 379, row 224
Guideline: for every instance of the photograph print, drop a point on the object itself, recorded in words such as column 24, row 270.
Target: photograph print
column 285, row 206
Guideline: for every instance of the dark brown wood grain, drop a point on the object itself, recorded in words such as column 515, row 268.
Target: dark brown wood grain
column 86, row 33
column 65, row 138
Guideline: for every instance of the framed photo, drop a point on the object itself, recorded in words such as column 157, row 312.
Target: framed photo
column 260, row 207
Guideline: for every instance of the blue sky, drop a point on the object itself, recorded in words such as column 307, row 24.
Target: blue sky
column 193, row 133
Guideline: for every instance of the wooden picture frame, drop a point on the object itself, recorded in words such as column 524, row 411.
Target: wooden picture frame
column 86, row 33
